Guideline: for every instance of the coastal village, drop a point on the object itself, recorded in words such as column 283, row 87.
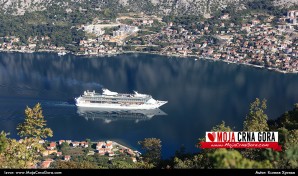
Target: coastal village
column 260, row 40
column 66, row 150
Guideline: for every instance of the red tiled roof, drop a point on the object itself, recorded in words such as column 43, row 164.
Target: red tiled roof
column 52, row 144
column 75, row 143
column 67, row 157
column 46, row 164
column 84, row 143
column 99, row 143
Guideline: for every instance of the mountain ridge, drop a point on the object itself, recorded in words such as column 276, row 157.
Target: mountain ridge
column 161, row 7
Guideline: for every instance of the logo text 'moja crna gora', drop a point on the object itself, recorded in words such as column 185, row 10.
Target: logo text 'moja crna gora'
column 242, row 136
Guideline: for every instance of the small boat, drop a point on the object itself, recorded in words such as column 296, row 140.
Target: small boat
column 61, row 53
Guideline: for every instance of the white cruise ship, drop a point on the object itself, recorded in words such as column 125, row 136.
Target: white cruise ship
column 116, row 100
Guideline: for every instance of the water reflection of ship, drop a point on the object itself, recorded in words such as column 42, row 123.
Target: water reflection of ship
column 109, row 115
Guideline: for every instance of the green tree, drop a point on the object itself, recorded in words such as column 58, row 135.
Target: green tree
column 64, row 148
column 3, row 146
column 288, row 120
column 256, row 120
column 74, row 165
column 203, row 161
column 3, row 141
column 222, row 127
column 34, row 125
column 287, row 127
column 288, row 157
column 152, row 147
column 291, row 155
column 193, row 162
column 33, row 129
column 144, row 165
column 14, row 155
column 229, row 159
column 118, row 164
column 25, row 152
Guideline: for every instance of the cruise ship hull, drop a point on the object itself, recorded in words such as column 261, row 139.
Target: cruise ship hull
column 120, row 106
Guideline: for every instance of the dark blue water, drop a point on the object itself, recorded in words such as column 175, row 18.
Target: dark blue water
column 200, row 93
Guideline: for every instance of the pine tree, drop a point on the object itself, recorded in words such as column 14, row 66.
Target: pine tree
column 3, row 141
column 202, row 160
column 256, row 120
column 229, row 159
column 34, row 125
column 152, row 147
column 32, row 130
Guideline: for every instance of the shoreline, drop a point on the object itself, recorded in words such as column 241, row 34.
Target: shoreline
column 154, row 53
column 250, row 65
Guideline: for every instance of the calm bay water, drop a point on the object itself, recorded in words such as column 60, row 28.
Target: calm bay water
column 200, row 93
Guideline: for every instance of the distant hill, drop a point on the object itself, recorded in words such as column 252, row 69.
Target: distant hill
column 19, row 7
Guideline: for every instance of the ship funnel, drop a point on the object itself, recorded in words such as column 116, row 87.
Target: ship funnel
column 107, row 92
column 139, row 95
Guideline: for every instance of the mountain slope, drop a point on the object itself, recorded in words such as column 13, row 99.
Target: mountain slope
column 18, row 7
